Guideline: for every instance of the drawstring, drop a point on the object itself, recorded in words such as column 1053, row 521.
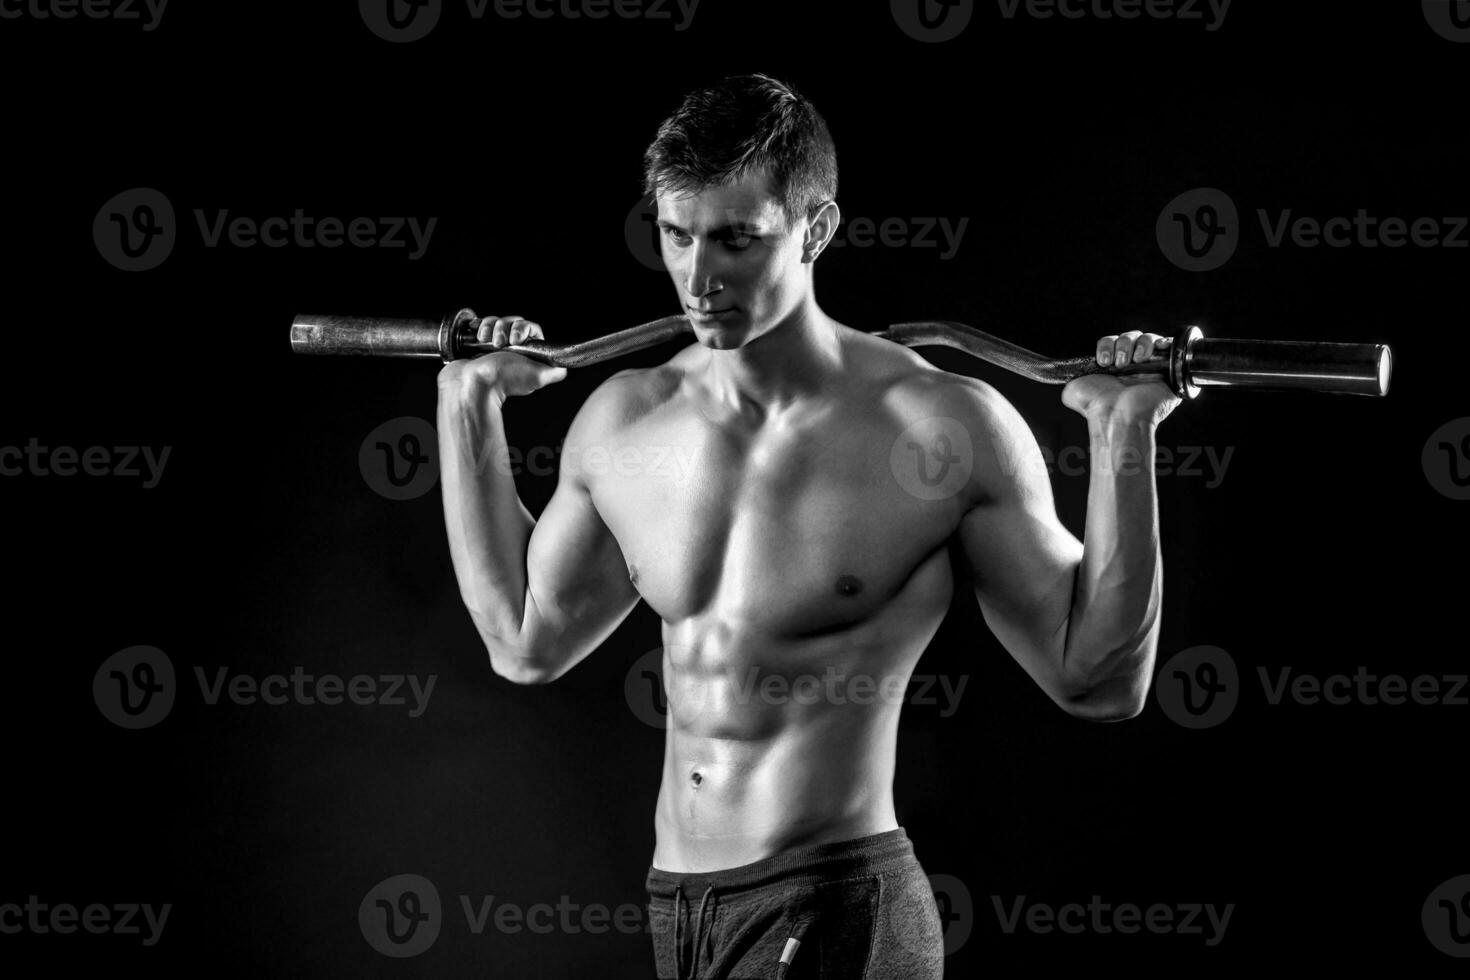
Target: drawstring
column 698, row 933
column 678, row 920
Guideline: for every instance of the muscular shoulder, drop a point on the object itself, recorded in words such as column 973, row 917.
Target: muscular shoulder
column 620, row 401
column 969, row 417
column 916, row 388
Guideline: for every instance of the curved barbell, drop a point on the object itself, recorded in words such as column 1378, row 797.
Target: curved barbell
column 1194, row 361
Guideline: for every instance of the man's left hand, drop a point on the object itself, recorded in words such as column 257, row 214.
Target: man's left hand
column 1122, row 397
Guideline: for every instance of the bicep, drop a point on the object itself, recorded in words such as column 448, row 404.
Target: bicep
column 577, row 584
column 1022, row 559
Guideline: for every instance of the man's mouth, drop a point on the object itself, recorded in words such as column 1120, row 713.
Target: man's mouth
column 708, row 315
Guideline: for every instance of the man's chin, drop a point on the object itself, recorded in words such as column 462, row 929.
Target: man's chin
column 720, row 334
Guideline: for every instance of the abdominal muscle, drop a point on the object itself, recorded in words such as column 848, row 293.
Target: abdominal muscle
column 779, row 742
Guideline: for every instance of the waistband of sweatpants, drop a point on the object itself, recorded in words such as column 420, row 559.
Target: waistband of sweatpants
column 875, row 854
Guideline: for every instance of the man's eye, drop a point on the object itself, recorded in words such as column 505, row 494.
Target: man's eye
column 738, row 242
column 676, row 235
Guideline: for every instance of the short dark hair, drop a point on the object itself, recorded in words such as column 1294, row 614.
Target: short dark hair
column 745, row 124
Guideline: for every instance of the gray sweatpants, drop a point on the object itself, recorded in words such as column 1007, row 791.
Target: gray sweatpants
column 859, row 909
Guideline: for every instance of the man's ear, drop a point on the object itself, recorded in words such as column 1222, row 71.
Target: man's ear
column 819, row 231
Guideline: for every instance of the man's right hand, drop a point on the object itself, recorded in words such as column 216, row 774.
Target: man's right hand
column 504, row 373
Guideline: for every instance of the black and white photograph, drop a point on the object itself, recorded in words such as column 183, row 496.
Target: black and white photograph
column 728, row 489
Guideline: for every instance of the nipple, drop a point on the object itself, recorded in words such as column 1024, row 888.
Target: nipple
column 849, row 585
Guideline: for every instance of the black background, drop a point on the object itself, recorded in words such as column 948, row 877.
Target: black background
column 1325, row 547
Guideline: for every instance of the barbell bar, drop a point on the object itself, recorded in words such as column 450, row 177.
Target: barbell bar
column 1194, row 361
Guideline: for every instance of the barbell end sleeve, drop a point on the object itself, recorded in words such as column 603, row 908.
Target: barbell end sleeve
column 365, row 336
column 1286, row 365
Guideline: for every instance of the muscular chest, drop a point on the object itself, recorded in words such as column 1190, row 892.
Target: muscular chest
column 793, row 533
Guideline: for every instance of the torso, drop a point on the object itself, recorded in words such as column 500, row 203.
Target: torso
column 798, row 583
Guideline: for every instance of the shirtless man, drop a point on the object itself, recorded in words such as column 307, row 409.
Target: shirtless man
column 831, row 477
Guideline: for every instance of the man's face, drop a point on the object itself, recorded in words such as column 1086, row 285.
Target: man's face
column 736, row 265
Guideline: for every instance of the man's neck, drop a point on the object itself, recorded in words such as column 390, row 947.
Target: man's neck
column 788, row 363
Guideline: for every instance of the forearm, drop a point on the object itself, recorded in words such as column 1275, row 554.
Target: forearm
column 488, row 526
column 1112, row 629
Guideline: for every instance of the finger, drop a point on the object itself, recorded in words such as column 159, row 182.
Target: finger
column 502, row 329
column 533, row 330
column 521, row 329
column 1143, row 347
column 1123, row 347
column 1105, row 349
column 486, row 328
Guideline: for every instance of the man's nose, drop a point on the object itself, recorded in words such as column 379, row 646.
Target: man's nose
column 700, row 276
